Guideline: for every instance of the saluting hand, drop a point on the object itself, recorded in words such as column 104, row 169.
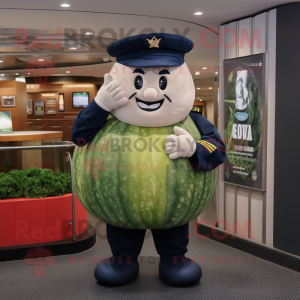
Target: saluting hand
column 111, row 95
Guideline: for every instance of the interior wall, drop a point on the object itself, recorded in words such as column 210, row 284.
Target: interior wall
column 286, row 173
column 210, row 111
column 61, row 121
column 67, row 89
column 238, row 203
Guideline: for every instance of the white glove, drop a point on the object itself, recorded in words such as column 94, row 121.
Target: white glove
column 111, row 95
column 182, row 145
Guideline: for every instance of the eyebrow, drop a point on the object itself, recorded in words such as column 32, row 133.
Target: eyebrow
column 165, row 71
column 139, row 71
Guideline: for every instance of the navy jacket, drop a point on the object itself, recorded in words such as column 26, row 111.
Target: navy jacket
column 210, row 151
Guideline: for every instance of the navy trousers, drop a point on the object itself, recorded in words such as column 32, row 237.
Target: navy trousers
column 128, row 242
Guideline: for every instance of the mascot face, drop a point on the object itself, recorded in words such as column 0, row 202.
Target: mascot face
column 158, row 96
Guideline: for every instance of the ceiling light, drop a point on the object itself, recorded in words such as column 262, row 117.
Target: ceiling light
column 73, row 48
column 68, row 72
column 1, row 61
column 198, row 13
column 89, row 33
column 216, row 72
column 48, row 95
column 17, row 73
column 65, row 5
column 2, row 74
column 41, row 59
column 197, row 73
column 198, row 88
column 200, row 99
column 204, row 68
column 20, row 79
column 210, row 88
column 80, row 86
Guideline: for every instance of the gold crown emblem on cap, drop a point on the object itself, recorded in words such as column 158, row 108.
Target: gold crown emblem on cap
column 154, row 42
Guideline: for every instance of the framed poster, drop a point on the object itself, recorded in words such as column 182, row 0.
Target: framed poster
column 244, row 96
column 5, row 122
column 39, row 108
column 8, row 101
column 51, row 106
column 29, row 107
column 61, row 102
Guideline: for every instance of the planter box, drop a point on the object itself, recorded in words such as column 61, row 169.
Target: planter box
column 32, row 221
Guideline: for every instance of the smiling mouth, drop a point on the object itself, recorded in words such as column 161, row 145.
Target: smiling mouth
column 149, row 106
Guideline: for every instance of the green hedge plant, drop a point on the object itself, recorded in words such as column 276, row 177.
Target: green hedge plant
column 34, row 183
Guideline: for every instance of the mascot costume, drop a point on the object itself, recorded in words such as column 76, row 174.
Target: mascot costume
column 143, row 160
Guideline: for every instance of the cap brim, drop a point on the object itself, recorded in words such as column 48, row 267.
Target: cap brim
column 152, row 58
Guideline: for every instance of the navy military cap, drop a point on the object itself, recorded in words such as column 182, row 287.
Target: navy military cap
column 151, row 50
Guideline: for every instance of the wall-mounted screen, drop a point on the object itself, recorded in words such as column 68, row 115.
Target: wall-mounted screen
column 80, row 99
column 5, row 121
column 39, row 108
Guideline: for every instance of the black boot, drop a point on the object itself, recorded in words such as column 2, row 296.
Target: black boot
column 179, row 271
column 116, row 270
column 122, row 267
column 174, row 267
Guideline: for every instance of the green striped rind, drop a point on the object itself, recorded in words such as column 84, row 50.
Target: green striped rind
column 162, row 193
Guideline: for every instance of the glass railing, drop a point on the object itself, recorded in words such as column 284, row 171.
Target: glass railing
column 52, row 155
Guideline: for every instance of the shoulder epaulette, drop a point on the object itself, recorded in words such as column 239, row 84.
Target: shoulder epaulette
column 196, row 110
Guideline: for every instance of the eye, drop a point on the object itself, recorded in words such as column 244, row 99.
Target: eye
column 163, row 82
column 138, row 82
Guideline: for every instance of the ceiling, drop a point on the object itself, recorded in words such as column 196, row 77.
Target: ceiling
column 215, row 12
column 109, row 21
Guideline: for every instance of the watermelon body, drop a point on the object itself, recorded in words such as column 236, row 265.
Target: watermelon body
column 124, row 178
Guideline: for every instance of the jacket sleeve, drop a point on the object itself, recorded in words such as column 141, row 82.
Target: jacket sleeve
column 210, row 151
column 88, row 123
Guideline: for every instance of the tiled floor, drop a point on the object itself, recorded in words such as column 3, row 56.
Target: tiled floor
column 227, row 274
